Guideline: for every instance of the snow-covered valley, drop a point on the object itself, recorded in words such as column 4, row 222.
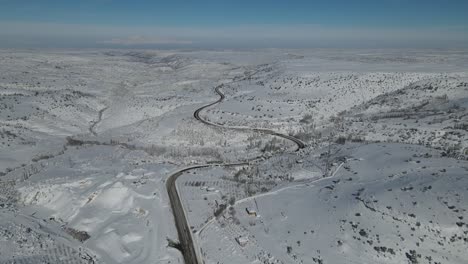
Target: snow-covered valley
column 89, row 139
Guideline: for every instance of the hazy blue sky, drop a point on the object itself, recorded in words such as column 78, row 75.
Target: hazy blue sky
column 237, row 23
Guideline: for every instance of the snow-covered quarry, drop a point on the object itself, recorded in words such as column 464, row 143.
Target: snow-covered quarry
column 90, row 141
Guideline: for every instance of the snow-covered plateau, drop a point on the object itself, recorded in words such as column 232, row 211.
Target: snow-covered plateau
column 276, row 156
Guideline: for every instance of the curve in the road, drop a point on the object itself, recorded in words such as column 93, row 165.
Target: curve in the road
column 196, row 114
column 189, row 250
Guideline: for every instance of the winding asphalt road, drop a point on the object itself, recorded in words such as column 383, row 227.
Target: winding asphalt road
column 190, row 251
column 196, row 114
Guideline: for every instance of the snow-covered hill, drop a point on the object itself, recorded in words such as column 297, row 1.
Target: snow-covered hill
column 387, row 203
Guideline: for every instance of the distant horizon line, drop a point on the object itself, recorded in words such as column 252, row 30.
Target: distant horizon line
column 57, row 35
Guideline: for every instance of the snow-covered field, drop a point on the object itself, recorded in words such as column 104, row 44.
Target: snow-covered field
column 89, row 137
column 387, row 203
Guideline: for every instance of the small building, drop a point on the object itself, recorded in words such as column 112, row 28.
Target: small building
column 251, row 211
column 242, row 241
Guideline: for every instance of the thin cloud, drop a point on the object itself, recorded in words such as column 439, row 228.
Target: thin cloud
column 144, row 40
